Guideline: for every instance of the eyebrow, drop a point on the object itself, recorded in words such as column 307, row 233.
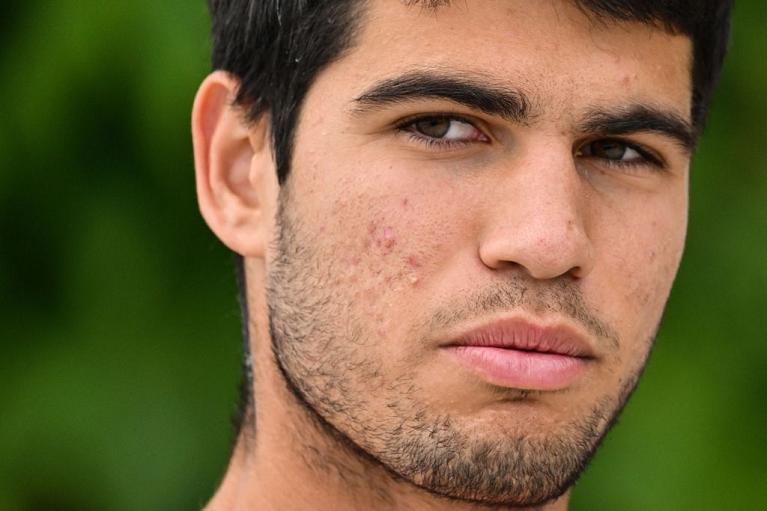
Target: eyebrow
column 514, row 105
column 505, row 102
column 641, row 118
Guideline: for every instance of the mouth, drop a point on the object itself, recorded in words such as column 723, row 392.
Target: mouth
column 519, row 354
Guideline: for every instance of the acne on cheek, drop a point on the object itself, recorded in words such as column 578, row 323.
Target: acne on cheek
column 384, row 246
column 382, row 238
column 378, row 266
column 389, row 258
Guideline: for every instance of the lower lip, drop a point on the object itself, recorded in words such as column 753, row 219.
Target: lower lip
column 528, row 370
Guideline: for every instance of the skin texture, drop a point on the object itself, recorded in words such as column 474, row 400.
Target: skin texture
column 380, row 248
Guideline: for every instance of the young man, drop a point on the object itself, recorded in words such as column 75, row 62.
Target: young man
column 459, row 224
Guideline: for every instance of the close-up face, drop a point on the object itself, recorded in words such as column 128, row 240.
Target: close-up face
column 485, row 211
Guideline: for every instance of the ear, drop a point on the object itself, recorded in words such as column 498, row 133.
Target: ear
column 234, row 168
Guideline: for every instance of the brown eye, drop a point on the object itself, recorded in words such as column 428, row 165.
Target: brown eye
column 444, row 129
column 435, row 127
column 608, row 149
column 611, row 150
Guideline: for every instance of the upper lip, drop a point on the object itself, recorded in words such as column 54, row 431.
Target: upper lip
column 520, row 334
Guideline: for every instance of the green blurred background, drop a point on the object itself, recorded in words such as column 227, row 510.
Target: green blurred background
column 119, row 344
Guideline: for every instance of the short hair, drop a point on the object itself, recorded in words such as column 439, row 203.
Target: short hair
column 265, row 45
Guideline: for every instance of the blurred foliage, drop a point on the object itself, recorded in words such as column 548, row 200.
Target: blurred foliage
column 119, row 336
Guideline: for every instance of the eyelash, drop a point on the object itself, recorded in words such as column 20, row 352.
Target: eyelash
column 407, row 127
column 647, row 156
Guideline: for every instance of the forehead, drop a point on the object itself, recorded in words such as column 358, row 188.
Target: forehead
column 549, row 48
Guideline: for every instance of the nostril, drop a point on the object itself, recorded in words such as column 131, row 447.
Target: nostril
column 577, row 272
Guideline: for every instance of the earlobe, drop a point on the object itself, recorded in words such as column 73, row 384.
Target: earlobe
column 233, row 167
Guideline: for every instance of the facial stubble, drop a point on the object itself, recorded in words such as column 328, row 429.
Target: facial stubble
column 323, row 353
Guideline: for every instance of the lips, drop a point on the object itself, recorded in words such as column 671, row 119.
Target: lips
column 523, row 355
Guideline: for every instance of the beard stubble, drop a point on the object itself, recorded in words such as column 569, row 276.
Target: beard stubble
column 322, row 351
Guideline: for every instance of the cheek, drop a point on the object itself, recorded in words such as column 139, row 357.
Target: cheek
column 383, row 234
column 641, row 270
column 382, row 250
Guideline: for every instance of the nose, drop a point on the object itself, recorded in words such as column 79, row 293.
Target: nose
column 538, row 218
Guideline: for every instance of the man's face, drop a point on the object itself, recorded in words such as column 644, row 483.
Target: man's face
column 424, row 243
